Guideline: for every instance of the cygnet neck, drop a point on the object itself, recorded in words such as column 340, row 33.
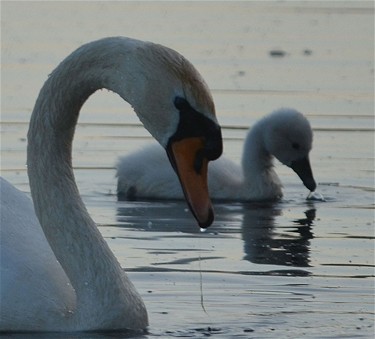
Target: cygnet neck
column 258, row 164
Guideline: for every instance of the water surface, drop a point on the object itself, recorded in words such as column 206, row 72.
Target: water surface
column 295, row 268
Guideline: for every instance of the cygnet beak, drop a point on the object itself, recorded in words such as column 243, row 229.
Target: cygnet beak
column 303, row 169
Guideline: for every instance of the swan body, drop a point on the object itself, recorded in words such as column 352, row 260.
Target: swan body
column 57, row 271
column 285, row 134
column 35, row 263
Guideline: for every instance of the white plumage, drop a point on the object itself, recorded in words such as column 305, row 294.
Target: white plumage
column 57, row 271
column 285, row 134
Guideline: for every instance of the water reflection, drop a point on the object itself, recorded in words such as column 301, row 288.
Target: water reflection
column 156, row 216
column 269, row 238
column 270, row 243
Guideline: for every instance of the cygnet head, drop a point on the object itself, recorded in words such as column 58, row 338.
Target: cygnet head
column 288, row 136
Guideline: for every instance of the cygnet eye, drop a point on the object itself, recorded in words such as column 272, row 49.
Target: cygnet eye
column 295, row 145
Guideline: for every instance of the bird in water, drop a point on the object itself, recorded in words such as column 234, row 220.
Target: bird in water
column 284, row 134
column 57, row 271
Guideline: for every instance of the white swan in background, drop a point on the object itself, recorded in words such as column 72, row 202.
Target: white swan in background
column 285, row 134
column 58, row 273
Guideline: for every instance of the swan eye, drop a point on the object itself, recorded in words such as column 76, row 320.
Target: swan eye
column 181, row 104
column 295, row 145
column 193, row 124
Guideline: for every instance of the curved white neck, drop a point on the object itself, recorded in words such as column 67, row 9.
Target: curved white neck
column 72, row 234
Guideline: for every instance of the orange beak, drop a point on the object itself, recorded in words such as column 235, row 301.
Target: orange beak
column 191, row 168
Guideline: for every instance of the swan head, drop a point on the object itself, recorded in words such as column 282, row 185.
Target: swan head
column 288, row 136
column 166, row 92
column 174, row 103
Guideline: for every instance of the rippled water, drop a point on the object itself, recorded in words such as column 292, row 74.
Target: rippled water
column 289, row 269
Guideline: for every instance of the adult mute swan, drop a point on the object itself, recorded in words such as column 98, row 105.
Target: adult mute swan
column 58, row 273
column 285, row 134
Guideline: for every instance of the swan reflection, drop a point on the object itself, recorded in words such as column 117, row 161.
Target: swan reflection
column 269, row 238
column 268, row 242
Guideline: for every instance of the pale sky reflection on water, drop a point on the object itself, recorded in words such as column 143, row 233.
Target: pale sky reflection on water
column 289, row 269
